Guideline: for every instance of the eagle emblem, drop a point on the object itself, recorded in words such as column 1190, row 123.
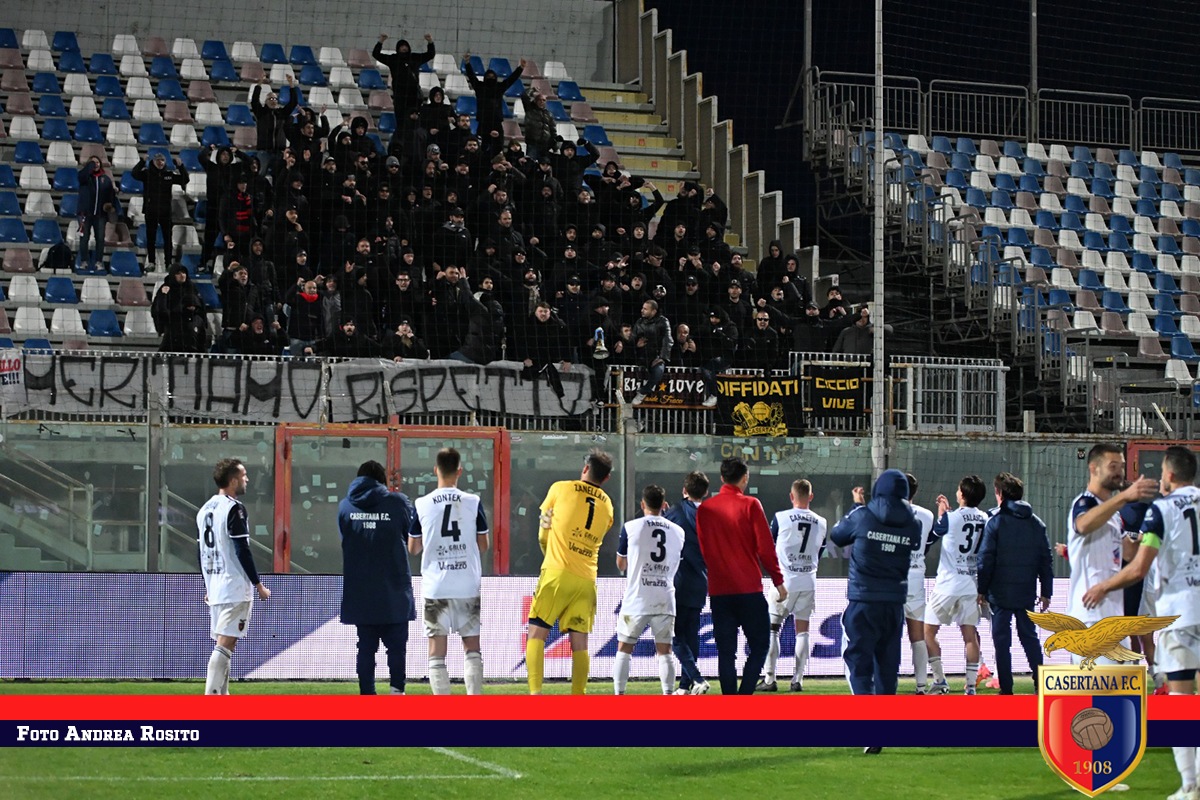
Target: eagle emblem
column 1098, row 641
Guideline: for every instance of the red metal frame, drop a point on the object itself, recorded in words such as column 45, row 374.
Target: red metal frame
column 1134, row 449
column 394, row 433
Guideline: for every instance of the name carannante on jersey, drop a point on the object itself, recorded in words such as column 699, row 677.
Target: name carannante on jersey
column 368, row 516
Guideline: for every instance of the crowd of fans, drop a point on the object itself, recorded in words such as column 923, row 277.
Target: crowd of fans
column 469, row 246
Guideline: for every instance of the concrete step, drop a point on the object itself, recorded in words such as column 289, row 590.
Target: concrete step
column 652, row 165
column 639, row 118
column 17, row 559
column 596, row 95
column 623, row 141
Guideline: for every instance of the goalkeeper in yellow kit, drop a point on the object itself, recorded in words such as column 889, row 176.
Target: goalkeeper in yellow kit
column 575, row 517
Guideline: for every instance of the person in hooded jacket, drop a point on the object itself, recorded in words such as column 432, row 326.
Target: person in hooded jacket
column 98, row 203
column 404, row 65
column 377, row 598
column 770, row 268
column 306, row 315
column 221, row 166
column 157, row 178
column 270, row 118
column 718, row 339
column 485, row 328
column 569, row 164
column 1013, row 559
column 404, row 345
column 712, row 244
column 684, row 208
column 489, row 102
column 259, row 338
column 346, row 342
column 881, row 535
column 177, row 311
column 435, row 119
column 691, row 585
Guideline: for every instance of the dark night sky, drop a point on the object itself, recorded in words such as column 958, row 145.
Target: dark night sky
column 751, row 54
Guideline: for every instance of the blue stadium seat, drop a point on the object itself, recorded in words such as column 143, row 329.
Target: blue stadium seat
column 1033, row 167
column 239, row 114
column 1128, row 158
column 1141, row 262
column 1146, row 191
column 569, row 90
column 6, row 343
column 200, row 212
column 1164, row 325
column 963, row 162
column 114, row 108
column 51, row 105
column 47, row 231
column 37, row 344
column 1190, row 227
column 1082, row 153
column 102, row 64
column 1164, row 304
column 1045, row 219
column 302, row 56
column 10, row 206
column 46, row 83
column 1181, row 348
column 272, row 53
column 1171, row 192
column 371, row 79
column 214, row 50
column 378, row 142
column 1088, row 279
column 1000, row 198
column 8, row 39
column 152, row 133
column 163, row 67
column 88, row 130
column 1173, row 161
column 130, row 184
column 140, row 240
column 975, row 197
column 1060, row 298
column 1103, row 189
column 124, row 264
column 1102, row 170
column 965, row 145
column 1165, row 283
column 387, row 122
column 223, row 70
column 598, row 136
column 191, row 159
column 109, row 86
column 1112, row 301
column 60, row 290
column 285, row 96
column 465, row 105
column 990, row 234
column 71, row 61
column 502, row 68
column 55, row 129
column 1030, row 183
column 955, row 179
column 1080, row 169
column 215, row 134
column 64, row 40
column 1149, row 175
column 516, row 90
column 208, row 294
column 191, row 261
column 1004, row 182
column 103, row 322
column 66, row 179
column 555, row 107
column 312, row 75
column 28, row 153
column 1191, row 176
column 169, row 89
column 1075, row 204
column 68, row 207
column 7, row 179
column 1094, row 240
column 476, row 64
column 1040, row 257
column 1168, row 245
column 1070, row 221
column 1120, row 242
column 1147, row 208
column 1018, row 237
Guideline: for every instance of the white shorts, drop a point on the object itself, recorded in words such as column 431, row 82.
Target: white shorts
column 958, row 609
column 630, row 628
column 798, row 603
column 1178, row 650
column 459, row 614
column 230, row 619
column 914, row 603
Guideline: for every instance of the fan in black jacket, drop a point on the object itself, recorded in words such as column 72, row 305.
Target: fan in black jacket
column 404, row 65
column 157, row 179
column 542, row 348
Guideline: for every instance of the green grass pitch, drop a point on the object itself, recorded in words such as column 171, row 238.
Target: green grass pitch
column 516, row 772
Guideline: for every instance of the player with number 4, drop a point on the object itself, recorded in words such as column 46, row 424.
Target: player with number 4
column 955, row 596
column 575, row 516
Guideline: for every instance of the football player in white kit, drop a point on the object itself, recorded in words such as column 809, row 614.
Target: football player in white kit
column 955, row 596
column 799, row 535
column 451, row 571
column 230, row 579
column 1094, row 536
column 1171, row 543
column 914, row 604
column 648, row 551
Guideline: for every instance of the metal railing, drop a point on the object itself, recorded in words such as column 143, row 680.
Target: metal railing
column 949, row 395
column 983, row 110
column 1089, row 118
column 1169, row 124
column 58, row 508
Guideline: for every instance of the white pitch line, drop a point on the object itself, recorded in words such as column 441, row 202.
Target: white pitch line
column 496, row 769
column 242, row 778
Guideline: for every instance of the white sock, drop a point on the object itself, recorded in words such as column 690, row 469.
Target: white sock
column 772, row 658
column 621, row 671
column 801, row 656
column 1185, row 762
column 972, row 674
column 439, row 676
column 935, row 664
column 666, row 672
column 920, row 654
column 217, row 681
column 473, row 672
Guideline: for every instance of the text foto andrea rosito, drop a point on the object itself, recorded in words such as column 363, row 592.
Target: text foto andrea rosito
column 75, row 733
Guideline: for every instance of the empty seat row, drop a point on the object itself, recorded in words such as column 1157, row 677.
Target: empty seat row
column 29, row 321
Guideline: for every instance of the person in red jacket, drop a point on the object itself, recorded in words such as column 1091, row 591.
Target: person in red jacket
column 737, row 547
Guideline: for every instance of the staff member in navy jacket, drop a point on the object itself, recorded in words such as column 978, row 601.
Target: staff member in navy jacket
column 1014, row 556
column 737, row 547
column 882, row 535
column 377, row 593
column 691, row 586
